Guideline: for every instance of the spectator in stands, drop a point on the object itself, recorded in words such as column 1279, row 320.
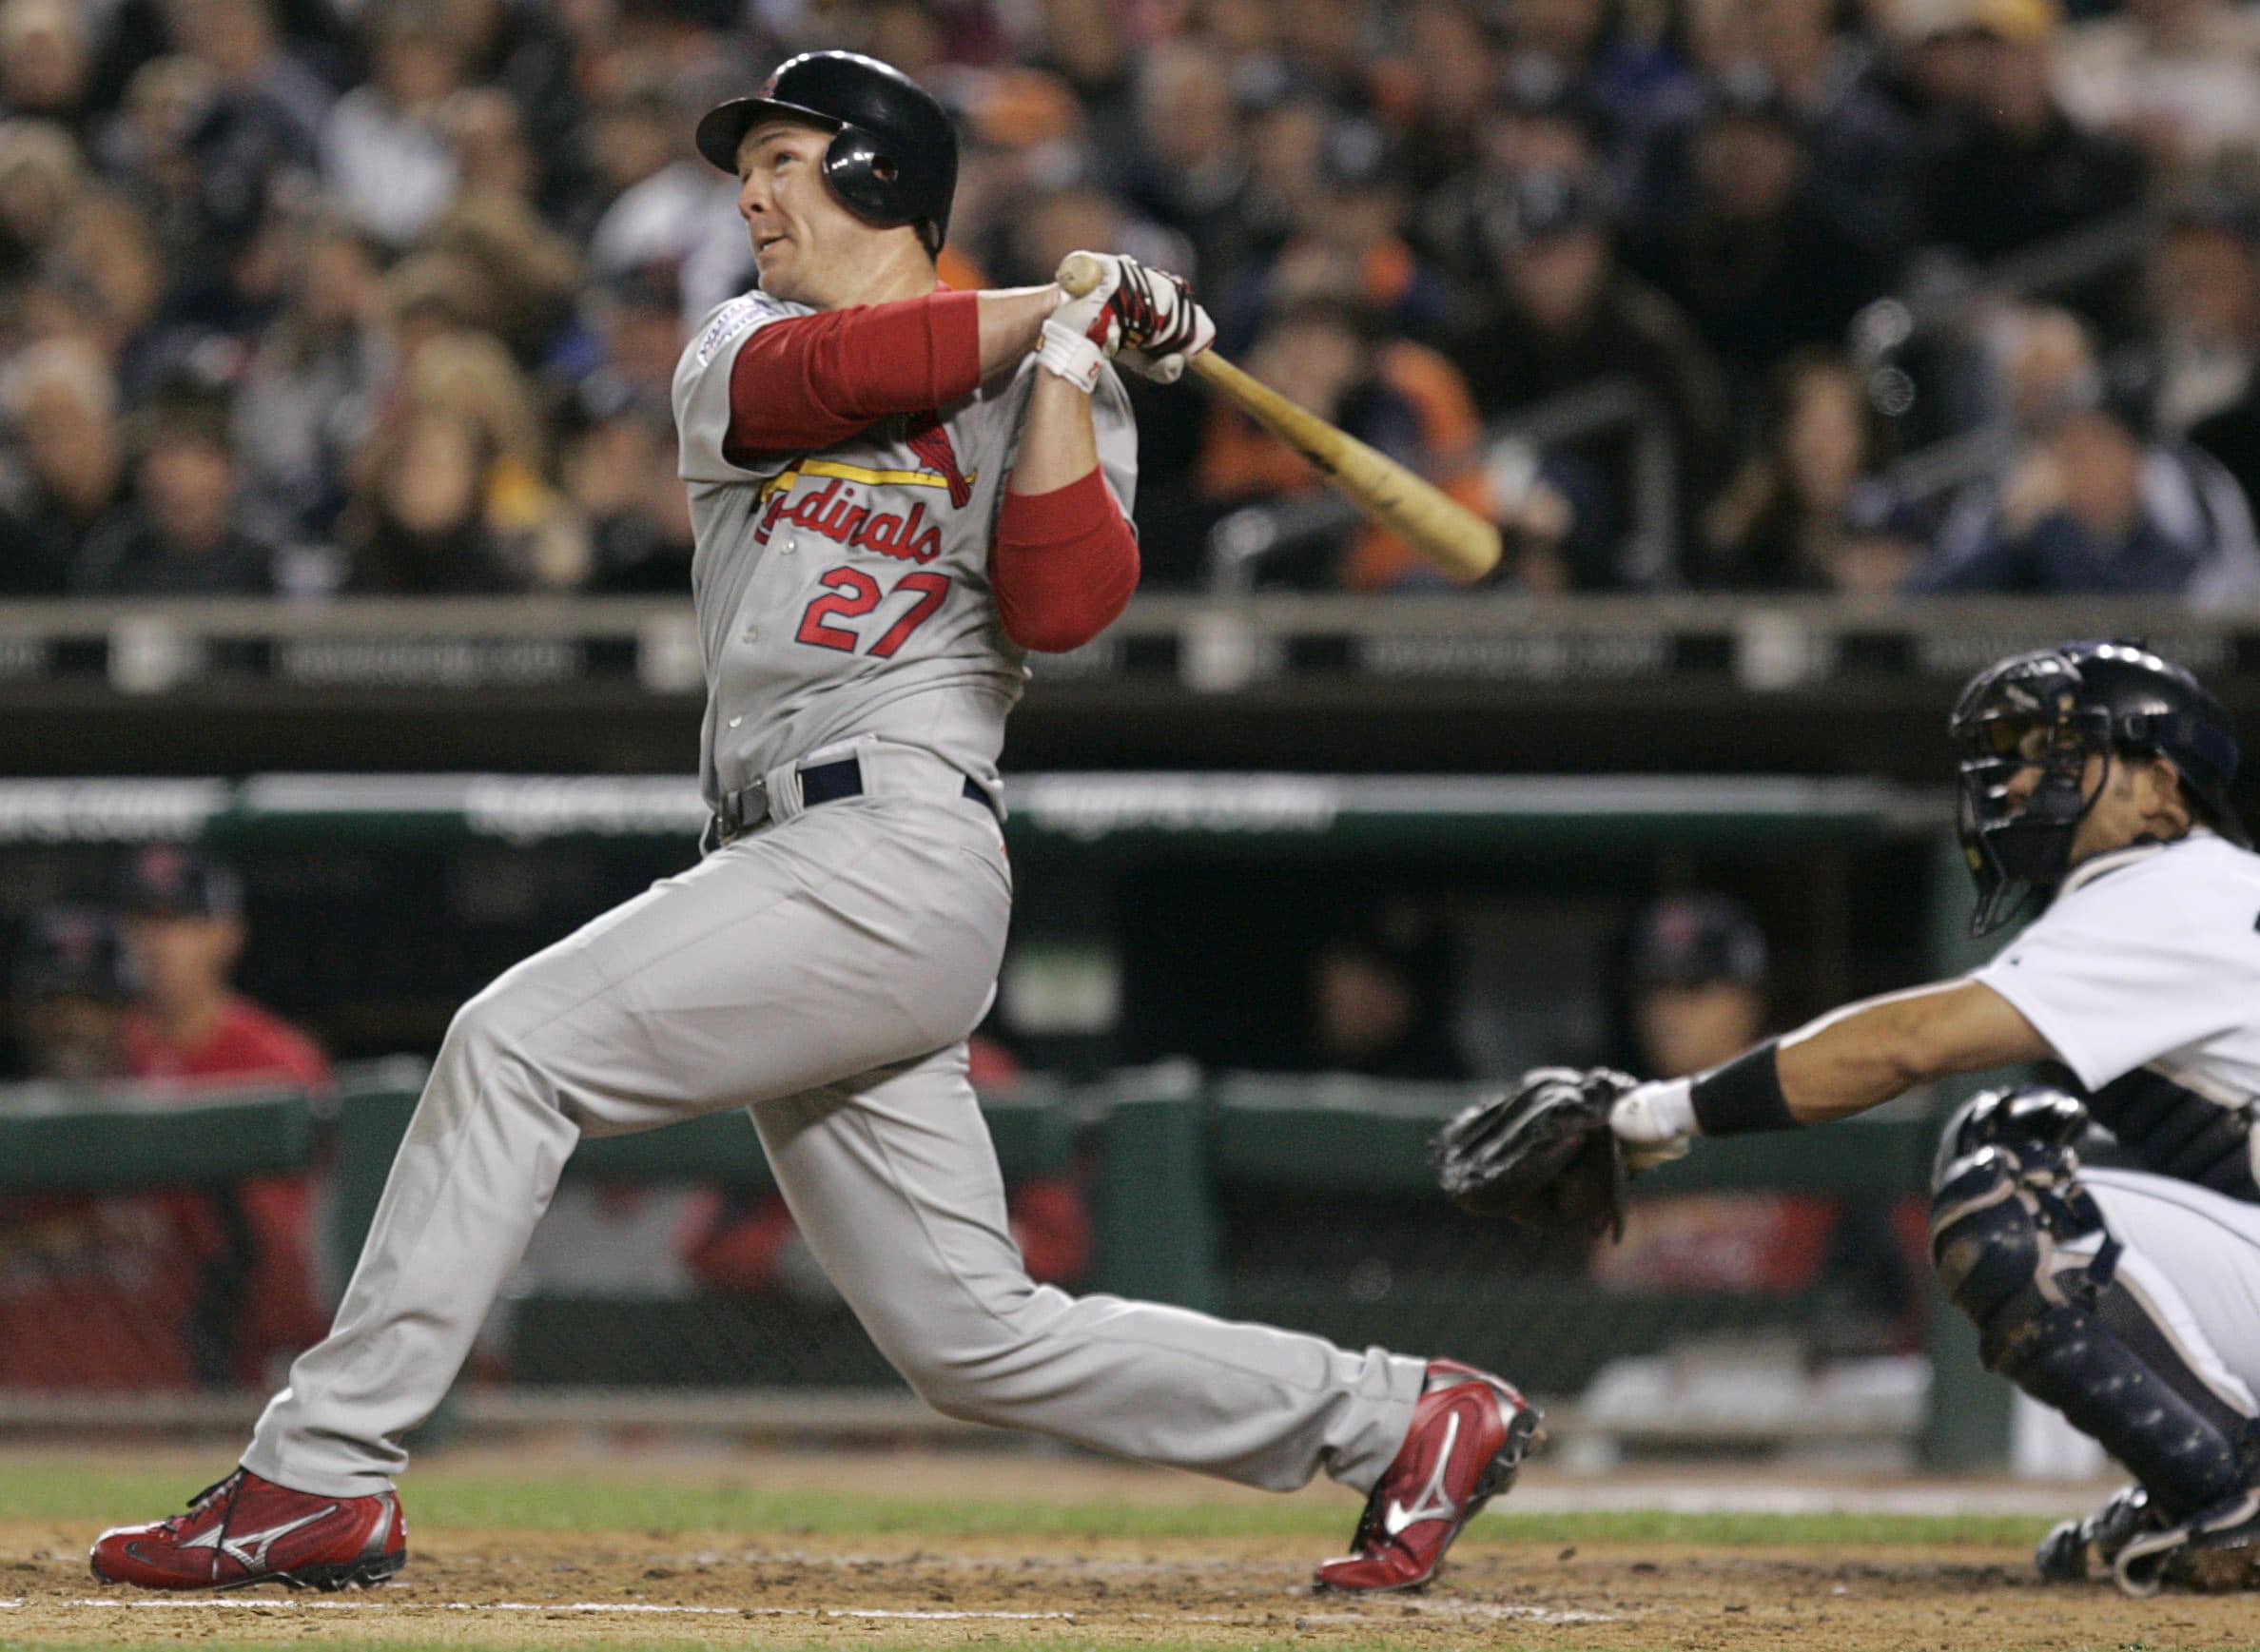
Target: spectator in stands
column 471, row 376
column 2205, row 298
column 682, row 215
column 68, row 988
column 184, row 534
column 1086, row 44
column 310, row 395
column 1447, row 77
column 41, row 174
column 423, row 527
column 487, row 131
column 45, row 61
column 619, row 473
column 144, row 148
column 1699, row 975
column 524, row 274
column 110, row 259
column 1349, row 237
column 1380, row 997
column 185, row 932
column 634, row 335
column 2106, row 508
column 1543, row 121
column 1862, row 145
column 1568, row 320
column 1556, row 516
column 1194, row 157
column 384, row 155
column 2009, row 168
column 1320, row 350
column 1797, row 517
column 68, row 481
column 1761, row 265
column 93, row 1292
column 2177, row 76
column 1701, row 992
column 237, row 42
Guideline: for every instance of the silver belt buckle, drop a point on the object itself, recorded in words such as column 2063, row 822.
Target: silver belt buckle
column 745, row 809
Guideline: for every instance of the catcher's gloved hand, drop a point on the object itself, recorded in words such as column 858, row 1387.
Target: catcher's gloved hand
column 1542, row 1154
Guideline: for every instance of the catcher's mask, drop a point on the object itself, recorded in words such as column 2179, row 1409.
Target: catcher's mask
column 2050, row 710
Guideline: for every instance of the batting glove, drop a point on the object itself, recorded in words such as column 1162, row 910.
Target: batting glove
column 1082, row 333
column 1162, row 327
column 1148, row 316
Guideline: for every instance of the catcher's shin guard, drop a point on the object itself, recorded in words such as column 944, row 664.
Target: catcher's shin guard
column 2052, row 1315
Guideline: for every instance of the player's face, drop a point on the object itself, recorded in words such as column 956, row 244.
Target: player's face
column 184, row 959
column 2134, row 799
column 2140, row 798
column 803, row 238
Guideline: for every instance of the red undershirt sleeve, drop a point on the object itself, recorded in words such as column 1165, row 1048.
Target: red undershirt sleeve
column 808, row 381
column 1063, row 565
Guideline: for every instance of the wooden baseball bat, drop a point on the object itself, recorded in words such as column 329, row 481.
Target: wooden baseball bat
column 1436, row 524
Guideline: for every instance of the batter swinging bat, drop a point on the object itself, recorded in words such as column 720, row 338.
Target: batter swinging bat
column 1436, row 525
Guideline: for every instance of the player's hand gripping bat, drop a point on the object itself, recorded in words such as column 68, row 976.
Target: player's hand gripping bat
column 1436, row 525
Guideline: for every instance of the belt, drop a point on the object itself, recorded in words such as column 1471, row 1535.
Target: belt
column 747, row 807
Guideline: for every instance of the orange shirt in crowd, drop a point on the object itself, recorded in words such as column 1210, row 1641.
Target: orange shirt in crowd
column 1241, row 459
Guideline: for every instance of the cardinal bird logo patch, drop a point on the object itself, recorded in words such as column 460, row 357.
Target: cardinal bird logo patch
column 926, row 437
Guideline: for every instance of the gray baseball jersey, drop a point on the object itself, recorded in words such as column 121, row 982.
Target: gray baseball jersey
column 823, row 972
column 846, row 592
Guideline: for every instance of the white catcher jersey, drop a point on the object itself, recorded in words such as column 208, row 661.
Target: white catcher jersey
column 846, row 592
column 2144, row 976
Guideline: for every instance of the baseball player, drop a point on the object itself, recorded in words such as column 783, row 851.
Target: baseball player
column 2094, row 776
column 898, row 492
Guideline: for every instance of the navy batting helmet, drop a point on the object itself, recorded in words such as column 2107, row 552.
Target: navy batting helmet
column 2051, row 710
column 893, row 154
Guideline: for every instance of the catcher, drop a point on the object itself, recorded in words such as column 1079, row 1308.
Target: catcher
column 2092, row 777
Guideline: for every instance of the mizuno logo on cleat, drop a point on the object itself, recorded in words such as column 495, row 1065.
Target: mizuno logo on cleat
column 251, row 1549
column 1431, row 1503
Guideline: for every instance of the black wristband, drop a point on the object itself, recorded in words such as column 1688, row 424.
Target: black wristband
column 1743, row 1096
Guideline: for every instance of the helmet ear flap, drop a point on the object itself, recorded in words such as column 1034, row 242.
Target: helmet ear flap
column 869, row 179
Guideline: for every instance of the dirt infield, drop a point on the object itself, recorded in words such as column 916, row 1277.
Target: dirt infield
column 514, row 1588
column 887, row 1549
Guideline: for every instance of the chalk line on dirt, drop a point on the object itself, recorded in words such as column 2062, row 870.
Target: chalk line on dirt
column 636, row 1609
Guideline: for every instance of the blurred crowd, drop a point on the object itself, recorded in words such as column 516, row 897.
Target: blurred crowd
column 306, row 297
column 177, row 1287
column 132, row 1003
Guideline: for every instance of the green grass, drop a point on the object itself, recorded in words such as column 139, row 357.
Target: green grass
column 741, row 1644
column 439, row 1498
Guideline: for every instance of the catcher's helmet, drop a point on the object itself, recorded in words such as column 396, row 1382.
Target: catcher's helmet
column 893, row 154
column 2051, row 709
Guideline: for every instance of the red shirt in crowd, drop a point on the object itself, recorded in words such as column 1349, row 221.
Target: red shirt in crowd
column 104, row 1292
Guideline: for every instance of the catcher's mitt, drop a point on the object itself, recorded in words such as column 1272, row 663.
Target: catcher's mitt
column 1542, row 1154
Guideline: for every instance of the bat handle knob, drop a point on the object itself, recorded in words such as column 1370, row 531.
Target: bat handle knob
column 1078, row 274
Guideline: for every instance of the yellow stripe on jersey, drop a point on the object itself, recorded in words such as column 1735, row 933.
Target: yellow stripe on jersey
column 858, row 474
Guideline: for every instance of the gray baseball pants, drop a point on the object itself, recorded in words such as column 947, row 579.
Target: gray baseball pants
column 823, row 972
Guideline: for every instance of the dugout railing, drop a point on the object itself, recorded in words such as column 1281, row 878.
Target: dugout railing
column 1159, row 1150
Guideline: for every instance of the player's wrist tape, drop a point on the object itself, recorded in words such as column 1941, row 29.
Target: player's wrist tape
column 1067, row 354
column 1744, row 1095
column 1655, row 1113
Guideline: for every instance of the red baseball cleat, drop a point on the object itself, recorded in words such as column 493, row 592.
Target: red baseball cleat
column 1468, row 1433
column 247, row 1530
